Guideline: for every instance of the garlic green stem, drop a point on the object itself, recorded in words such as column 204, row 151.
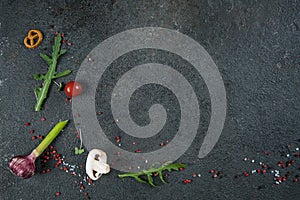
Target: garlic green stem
column 49, row 138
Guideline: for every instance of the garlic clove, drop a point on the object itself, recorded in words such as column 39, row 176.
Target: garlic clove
column 96, row 164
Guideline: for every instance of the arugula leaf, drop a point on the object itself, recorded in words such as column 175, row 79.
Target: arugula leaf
column 39, row 77
column 46, row 58
column 62, row 51
column 41, row 93
column 61, row 74
column 148, row 173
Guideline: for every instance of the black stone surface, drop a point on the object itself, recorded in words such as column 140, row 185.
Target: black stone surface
column 255, row 44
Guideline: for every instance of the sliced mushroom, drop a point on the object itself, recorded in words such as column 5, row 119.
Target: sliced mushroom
column 96, row 164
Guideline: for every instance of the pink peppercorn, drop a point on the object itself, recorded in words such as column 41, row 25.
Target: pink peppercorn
column 283, row 179
column 57, row 194
column 82, row 186
column 187, row 181
column 246, row 174
column 118, row 139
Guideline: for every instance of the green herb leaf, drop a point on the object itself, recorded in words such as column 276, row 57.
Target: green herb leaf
column 46, row 58
column 139, row 179
column 78, row 151
column 39, row 77
column 62, row 51
column 41, row 93
column 56, row 46
column 161, row 177
column 37, row 92
column 61, row 74
column 150, row 180
column 148, row 173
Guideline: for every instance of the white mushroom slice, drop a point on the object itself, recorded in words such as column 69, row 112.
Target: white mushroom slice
column 96, row 164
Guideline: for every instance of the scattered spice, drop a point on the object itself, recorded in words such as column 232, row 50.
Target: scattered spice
column 246, row 174
column 57, row 194
column 118, row 139
column 138, row 151
column 282, row 169
column 187, row 181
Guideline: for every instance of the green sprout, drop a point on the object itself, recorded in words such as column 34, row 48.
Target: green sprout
column 79, row 150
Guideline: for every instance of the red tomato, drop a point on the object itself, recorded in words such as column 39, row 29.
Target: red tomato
column 73, row 89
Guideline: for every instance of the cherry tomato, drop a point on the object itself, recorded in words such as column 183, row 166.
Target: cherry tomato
column 73, row 89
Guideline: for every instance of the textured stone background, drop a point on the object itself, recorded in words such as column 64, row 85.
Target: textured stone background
column 255, row 44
